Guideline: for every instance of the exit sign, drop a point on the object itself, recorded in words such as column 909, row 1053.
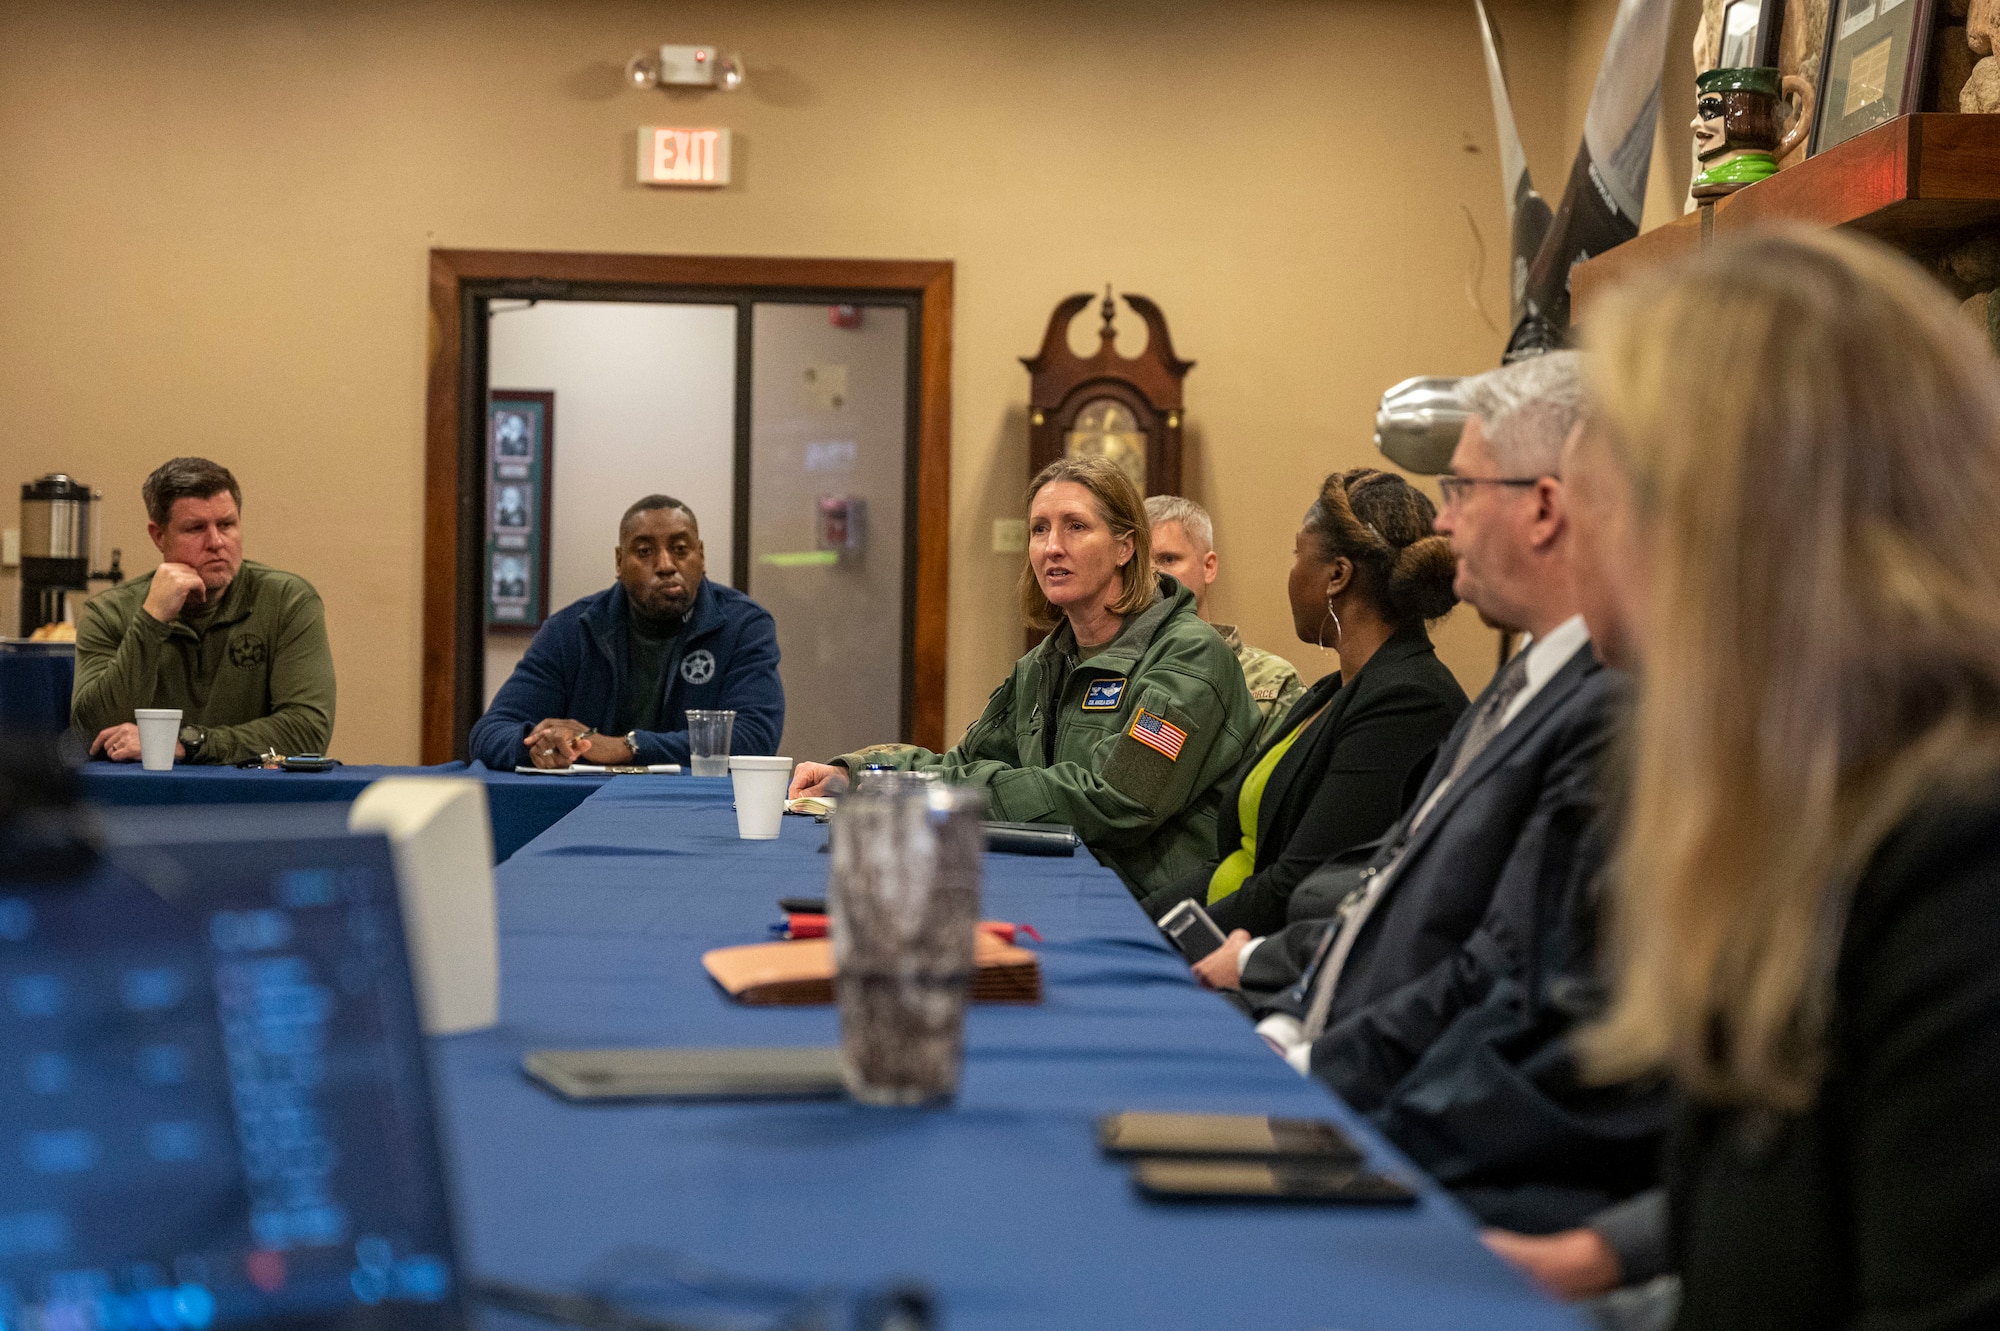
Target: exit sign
column 683, row 156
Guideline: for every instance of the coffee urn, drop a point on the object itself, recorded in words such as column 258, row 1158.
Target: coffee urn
column 56, row 524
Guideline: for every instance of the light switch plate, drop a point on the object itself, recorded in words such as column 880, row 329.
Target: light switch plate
column 10, row 548
column 1010, row 536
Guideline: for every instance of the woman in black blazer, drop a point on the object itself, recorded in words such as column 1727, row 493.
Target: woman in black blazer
column 1800, row 436
column 1367, row 573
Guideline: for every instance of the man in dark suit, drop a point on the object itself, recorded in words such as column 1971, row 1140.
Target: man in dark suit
column 1433, row 980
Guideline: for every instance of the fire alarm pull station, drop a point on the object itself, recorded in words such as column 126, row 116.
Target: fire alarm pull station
column 843, row 526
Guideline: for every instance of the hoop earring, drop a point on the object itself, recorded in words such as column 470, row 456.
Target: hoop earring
column 1321, row 636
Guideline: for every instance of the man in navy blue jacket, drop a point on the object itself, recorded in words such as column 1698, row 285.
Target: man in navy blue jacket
column 610, row 678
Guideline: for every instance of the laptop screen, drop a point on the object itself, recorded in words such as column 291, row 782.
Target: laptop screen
column 214, row 1103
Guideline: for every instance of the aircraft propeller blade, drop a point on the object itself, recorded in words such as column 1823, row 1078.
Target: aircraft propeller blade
column 1527, row 212
column 1606, row 193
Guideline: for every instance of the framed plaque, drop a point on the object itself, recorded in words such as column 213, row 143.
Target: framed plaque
column 520, row 438
column 1874, row 66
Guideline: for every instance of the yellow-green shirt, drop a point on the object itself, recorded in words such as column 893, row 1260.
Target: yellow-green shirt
column 1239, row 864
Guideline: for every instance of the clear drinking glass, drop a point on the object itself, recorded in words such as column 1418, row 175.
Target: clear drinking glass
column 708, row 742
column 888, row 779
column 903, row 893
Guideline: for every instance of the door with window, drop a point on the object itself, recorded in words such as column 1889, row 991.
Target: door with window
column 795, row 422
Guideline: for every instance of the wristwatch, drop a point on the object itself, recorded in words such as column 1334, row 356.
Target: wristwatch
column 193, row 738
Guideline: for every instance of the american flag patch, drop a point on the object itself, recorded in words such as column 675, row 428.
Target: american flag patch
column 1156, row 732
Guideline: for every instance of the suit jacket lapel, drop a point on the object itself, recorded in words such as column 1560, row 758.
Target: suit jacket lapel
column 1281, row 788
column 1441, row 762
column 1282, row 792
column 1547, row 699
column 1405, row 643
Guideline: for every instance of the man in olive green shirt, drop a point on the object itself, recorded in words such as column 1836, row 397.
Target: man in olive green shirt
column 239, row 647
column 1184, row 549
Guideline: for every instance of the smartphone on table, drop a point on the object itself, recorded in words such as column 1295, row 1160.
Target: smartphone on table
column 688, row 1074
column 1188, row 928
column 1255, row 1181
column 1226, row 1137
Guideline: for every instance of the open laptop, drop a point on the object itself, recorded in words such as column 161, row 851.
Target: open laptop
column 215, row 1110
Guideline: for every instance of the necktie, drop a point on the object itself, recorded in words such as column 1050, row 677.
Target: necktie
column 1486, row 723
column 1360, row 903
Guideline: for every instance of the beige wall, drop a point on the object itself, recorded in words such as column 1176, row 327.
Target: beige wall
column 216, row 217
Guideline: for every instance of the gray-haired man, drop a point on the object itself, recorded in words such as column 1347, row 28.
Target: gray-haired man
column 1184, row 549
column 1434, row 980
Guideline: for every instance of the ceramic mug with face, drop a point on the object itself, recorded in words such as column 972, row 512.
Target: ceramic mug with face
column 1738, row 132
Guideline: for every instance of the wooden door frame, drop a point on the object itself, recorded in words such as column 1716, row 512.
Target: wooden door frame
column 454, row 430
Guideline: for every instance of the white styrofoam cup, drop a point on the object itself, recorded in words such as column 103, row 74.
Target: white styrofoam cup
column 159, row 732
column 760, row 785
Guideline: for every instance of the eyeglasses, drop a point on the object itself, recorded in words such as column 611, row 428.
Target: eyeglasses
column 1455, row 488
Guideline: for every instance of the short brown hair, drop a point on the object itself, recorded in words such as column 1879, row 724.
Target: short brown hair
column 185, row 478
column 1382, row 524
column 1118, row 503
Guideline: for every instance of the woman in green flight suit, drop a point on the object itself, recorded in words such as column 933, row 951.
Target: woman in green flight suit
column 1127, row 718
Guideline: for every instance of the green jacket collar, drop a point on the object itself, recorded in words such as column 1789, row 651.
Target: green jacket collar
column 1123, row 653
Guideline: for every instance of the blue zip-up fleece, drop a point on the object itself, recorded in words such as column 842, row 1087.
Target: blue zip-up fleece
column 727, row 659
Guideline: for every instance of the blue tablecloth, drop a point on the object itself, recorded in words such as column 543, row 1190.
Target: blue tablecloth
column 522, row 806
column 1000, row 1203
column 35, row 681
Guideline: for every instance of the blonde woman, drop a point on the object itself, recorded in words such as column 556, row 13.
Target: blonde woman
column 1126, row 719
column 1807, row 922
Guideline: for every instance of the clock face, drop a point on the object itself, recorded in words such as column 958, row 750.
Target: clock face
column 1106, row 428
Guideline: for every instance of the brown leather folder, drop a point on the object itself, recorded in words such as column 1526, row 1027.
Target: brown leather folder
column 800, row 971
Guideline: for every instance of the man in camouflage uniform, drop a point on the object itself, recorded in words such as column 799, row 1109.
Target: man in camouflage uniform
column 1184, row 549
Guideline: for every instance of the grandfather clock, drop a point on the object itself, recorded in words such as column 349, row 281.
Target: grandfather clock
column 1126, row 409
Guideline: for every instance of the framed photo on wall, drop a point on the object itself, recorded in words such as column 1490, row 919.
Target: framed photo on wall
column 520, row 440
column 1874, row 66
column 1749, row 33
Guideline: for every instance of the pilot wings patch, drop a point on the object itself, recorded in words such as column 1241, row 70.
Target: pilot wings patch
column 1102, row 695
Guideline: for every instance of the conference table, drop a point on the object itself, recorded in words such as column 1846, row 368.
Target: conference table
column 35, row 683
column 999, row 1203
column 521, row 804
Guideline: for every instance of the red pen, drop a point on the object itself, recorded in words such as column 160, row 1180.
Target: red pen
column 815, row 926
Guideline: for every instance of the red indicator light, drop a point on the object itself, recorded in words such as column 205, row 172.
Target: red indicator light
column 266, row 1269
column 700, row 56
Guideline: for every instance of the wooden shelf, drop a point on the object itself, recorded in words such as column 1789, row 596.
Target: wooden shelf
column 1916, row 183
